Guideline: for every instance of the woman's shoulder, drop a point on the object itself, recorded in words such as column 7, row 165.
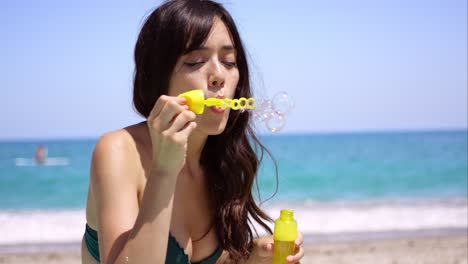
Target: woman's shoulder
column 122, row 141
column 122, row 146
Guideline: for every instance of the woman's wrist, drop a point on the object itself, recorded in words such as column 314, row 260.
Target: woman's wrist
column 157, row 171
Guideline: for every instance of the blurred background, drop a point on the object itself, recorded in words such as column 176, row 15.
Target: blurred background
column 67, row 68
column 378, row 134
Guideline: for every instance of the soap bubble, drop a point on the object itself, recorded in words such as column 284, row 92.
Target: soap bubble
column 263, row 111
column 276, row 122
column 272, row 112
column 282, row 103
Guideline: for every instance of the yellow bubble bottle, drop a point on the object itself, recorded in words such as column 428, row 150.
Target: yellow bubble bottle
column 285, row 234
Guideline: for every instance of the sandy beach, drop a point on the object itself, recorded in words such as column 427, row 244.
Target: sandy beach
column 451, row 249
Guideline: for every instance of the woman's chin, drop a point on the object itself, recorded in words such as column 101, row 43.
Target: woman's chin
column 211, row 126
column 216, row 131
column 212, row 130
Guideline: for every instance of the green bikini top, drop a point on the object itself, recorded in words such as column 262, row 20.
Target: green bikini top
column 175, row 253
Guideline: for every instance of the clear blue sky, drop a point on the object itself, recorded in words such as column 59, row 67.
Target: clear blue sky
column 66, row 66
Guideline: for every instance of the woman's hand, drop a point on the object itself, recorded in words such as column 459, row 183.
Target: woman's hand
column 263, row 250
column 170, row 123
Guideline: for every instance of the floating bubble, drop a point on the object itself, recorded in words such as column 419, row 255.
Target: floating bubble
column 276, row 122
column 263, row 111
column 282, row 103
column 272, row 112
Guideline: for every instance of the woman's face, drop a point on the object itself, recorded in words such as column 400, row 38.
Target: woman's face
column 213, row 69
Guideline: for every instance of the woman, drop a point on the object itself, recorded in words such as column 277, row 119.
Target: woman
column 178, row 187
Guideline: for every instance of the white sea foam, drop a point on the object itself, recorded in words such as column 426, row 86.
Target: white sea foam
column 331, row 219
column 18, row 227
column 64, row 226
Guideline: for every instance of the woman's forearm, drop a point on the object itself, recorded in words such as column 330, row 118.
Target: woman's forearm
column 149, row 237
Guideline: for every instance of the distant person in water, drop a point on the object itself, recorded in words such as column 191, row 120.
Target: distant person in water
column 40, row 155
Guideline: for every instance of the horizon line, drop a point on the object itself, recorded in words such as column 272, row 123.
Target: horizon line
column 268, row 134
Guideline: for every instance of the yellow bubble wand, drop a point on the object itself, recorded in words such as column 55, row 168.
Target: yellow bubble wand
column 196, row 102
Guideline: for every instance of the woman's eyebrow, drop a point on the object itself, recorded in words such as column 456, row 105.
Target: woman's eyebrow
column 224, row 47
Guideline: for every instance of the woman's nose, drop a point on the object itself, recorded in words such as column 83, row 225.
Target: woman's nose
column 216, row 76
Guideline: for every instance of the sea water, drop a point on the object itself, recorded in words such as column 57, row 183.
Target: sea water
column 336, row 183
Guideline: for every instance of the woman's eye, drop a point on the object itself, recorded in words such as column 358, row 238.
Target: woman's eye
column 194, row 64
column 230, row 64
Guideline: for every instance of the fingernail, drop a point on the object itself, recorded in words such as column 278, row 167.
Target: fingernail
column 289, row 259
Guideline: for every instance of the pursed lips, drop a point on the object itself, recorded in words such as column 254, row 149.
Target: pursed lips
column 217, row 109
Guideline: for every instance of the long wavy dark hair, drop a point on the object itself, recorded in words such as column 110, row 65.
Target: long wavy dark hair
column 230, row 160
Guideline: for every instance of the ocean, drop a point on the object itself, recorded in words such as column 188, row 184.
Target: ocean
column 336, row 183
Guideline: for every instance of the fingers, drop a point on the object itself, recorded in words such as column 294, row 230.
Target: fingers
column 300, row 251
column 166, row 111
column 298, row 256
column 185, row 132
column 169, row 112
column 299, row 240
column 181, row 121
column 162, row 101
column 267, row 248
column 266, row 245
